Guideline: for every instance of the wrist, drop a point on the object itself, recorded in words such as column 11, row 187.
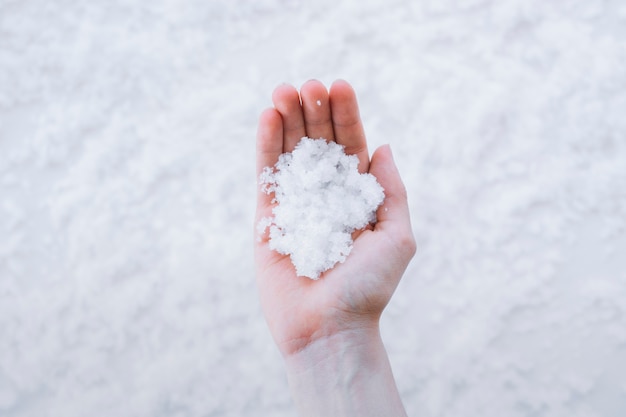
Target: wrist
column 344, row 374
column 329, row 330
column 335, row 344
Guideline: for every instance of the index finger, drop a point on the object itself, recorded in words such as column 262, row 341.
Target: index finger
column 347, row 123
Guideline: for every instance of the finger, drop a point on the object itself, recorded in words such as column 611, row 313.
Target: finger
column 347, row 122
column 287, row 101
column 315, row 105
column 393, row 215
column 269, row 145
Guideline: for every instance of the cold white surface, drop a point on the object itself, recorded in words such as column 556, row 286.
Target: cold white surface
column 127, row 188
column 321, row 199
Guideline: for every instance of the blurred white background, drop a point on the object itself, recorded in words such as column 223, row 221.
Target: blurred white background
column 127, row 193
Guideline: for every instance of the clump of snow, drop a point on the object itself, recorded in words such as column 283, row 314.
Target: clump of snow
column 322, row 199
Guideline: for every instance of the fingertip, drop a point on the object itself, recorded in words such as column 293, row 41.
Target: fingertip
column 268, row 113
column 313, row 90
column 383, row 163
column 283, row 95
column 341, row 84
column 269, row 122
column 311, row 81
column 400, row 187
column 385, row 151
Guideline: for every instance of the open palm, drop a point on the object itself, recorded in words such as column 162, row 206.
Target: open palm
column 353, row 294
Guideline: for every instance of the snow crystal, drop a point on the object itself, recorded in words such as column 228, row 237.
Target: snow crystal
column 322, row 198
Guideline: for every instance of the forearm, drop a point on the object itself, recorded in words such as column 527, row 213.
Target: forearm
column 347, row 374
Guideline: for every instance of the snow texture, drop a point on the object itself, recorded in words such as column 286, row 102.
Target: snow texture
column 321, row 199
column 127, row 191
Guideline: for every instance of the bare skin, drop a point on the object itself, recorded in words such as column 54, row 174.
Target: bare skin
column 327, row 330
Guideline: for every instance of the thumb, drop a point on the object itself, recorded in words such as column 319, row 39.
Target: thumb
column 393, row 215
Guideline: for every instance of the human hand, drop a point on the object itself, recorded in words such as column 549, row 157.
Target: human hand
column 341, row 310
column 353, row 293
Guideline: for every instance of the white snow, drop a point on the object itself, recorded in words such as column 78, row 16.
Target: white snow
column 321, row 200
column 127, row 191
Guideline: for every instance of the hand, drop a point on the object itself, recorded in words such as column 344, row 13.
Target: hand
column 313, row 322
column 354, row 293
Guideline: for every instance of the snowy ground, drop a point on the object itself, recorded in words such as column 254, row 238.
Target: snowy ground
column 127, row 190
